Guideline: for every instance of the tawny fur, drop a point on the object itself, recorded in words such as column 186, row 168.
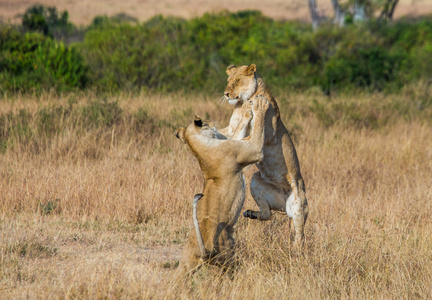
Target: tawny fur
column 278, row 185
column 221, row 162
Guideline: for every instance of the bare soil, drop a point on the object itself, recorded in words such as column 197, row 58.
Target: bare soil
column 81, row 12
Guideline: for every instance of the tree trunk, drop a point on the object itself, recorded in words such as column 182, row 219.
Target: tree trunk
column 338, row 14
column 314, row 14
column 392, row 9
column 388, row 10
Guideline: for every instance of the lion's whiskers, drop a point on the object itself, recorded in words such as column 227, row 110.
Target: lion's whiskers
column 222, row 99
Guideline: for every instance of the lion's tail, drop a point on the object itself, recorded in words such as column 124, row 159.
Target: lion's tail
column 203, row 251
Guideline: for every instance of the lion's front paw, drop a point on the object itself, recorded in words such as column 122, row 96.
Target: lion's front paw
column 247, row 110
column 249, row 214
column 260, row 104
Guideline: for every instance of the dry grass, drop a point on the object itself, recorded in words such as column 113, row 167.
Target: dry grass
column 83, row 11
column 104, row 212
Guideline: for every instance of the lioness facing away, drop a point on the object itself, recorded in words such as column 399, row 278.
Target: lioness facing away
column 221, row 201
column 278, row 185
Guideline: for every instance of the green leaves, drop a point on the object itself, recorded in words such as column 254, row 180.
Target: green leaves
column 64, row 65
column 32, row 62
column 171, row 54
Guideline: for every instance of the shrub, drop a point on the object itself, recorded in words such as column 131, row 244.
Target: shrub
column 47, row 21
column 369, row 66
column 362, row 59
column 419, row 63
column 126, row 57
column 170, row 54
column 173, row 54
column 64, row 65
column 31, row 61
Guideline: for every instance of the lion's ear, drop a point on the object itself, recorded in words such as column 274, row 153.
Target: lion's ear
column 197, row 121
column 250, row 70
column 230, row 69
column 180, row 134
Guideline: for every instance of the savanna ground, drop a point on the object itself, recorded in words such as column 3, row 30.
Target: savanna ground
column 83, row 11
column 96, row 197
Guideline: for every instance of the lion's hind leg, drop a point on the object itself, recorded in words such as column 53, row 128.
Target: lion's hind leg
column 267, row 196
column 299, row 209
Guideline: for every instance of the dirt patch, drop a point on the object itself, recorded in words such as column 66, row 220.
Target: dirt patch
column 169, row 254
column 86, row 272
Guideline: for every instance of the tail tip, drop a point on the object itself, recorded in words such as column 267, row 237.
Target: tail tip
column 197, row 198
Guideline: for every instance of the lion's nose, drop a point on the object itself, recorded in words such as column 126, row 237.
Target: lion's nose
column 226, row 95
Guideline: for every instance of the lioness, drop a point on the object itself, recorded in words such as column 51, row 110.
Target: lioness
column 221, row 162
column 278, row 185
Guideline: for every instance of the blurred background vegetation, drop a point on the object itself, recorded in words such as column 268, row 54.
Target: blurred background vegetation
column 117, row 54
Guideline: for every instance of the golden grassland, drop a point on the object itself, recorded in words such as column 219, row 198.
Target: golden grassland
column 103, row 211
column 82, row 12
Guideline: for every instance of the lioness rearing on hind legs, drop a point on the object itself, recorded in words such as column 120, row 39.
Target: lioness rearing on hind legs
column 278, row 185
column 221, row 162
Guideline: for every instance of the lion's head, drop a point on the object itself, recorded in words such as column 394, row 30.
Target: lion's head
column 197, row 128
column 241, row 83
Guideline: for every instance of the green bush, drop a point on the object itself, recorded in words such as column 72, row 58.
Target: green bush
column 419, row 63
column 47, row 21
column 173, row 54
column 63, row 65
column 125, row 57
column 17, row 58
column 31, row 61
column 365, row 66
column 170, row 54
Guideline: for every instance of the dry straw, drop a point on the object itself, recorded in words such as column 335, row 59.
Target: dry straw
column 104, row 211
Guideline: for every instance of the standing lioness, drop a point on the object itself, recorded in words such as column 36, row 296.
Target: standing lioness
column 221, row 162
column 279, row 184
